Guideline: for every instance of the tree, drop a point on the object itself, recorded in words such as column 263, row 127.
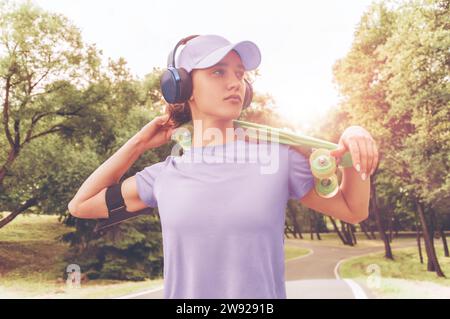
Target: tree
column 395, row 82
column 52, row 84
column 419, row 86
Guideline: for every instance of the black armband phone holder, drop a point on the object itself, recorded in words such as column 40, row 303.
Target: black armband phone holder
column 117, row 211
column 114, row 199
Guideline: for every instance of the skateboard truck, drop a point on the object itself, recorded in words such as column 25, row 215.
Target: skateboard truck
column 323, row 168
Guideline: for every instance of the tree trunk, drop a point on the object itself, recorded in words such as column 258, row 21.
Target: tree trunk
column 344, row 232
column 347, row 236
column 12, row 155
column 364, row 230
column 444, row 241
column 390, row 225
column 352, row 232
column 419, row 246
column 311, row 231
column 396, row 228
column 374, row 208
column 336, row 229
column 293, row 217
column 433, row 225
column 29, row 203
column 318, row 235
column 369, row 225
column 286, row 231
column 430, row 262
column 317, row 227
column 431, row 253
column 372, row 232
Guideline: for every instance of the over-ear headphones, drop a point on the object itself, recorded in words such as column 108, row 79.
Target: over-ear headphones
column 176, row 84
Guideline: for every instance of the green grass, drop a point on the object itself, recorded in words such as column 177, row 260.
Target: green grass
column 32, row 263
column 403, row 277
column 29, row 248
column 291, row 252
column 33, row 227
column 97, row 289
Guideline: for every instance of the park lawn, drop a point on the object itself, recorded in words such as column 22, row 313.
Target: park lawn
column 32, row 261
column 291, row 252
column 404, row 277
column 29, row 248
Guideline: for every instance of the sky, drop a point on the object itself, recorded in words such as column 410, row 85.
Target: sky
column 299, row 40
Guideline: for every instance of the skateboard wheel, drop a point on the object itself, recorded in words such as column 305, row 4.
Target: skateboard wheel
column 322, row 164
column 326, row 187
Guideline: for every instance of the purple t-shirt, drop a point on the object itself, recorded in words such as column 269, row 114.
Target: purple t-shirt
column 222, row 210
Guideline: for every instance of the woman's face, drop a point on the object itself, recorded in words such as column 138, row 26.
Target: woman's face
column 213, row 86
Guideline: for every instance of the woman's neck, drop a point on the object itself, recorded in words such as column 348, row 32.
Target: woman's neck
column 213, row 132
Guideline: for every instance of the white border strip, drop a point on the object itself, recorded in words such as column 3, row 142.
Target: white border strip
column 140, row 293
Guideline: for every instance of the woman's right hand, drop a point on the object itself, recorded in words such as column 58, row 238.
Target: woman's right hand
column 157, row 132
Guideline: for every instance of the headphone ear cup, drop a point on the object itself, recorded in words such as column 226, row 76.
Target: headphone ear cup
column 176, row 85
column 185, row 85
column 169, row 85
column 248, row 94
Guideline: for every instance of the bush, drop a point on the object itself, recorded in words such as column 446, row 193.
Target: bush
column 131, row 250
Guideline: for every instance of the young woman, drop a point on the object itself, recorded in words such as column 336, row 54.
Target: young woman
column 223, row 220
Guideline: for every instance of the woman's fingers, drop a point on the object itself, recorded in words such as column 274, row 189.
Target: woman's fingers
column 370, row 156
column 364, row 157
column 362, row 148
column 375, row 154
column 160, row 120
column 355, row 153
column 364, row 153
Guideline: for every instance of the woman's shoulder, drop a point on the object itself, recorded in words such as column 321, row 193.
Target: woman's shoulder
column 158, row 166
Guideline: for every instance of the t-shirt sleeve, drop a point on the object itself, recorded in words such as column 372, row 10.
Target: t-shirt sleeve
column 145, row 180
column 301, row 180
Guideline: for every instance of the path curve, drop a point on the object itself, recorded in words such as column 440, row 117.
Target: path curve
column 315, row 275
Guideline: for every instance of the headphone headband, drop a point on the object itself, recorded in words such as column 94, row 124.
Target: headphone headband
column 171, row 59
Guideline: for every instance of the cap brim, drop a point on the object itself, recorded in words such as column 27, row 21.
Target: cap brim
column 247, row 50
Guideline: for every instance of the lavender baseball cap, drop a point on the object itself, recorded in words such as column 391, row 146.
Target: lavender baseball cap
column 205, row 51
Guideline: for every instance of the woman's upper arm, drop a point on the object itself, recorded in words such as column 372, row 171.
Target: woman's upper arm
column 95, row 207
column 335, row 206
column 130, row 195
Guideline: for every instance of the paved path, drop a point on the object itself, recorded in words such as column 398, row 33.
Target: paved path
column 314, row 276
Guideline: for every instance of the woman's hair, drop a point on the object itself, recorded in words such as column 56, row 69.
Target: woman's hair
column 179, row 113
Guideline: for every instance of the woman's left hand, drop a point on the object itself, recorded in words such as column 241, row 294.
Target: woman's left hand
column 362, row 147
